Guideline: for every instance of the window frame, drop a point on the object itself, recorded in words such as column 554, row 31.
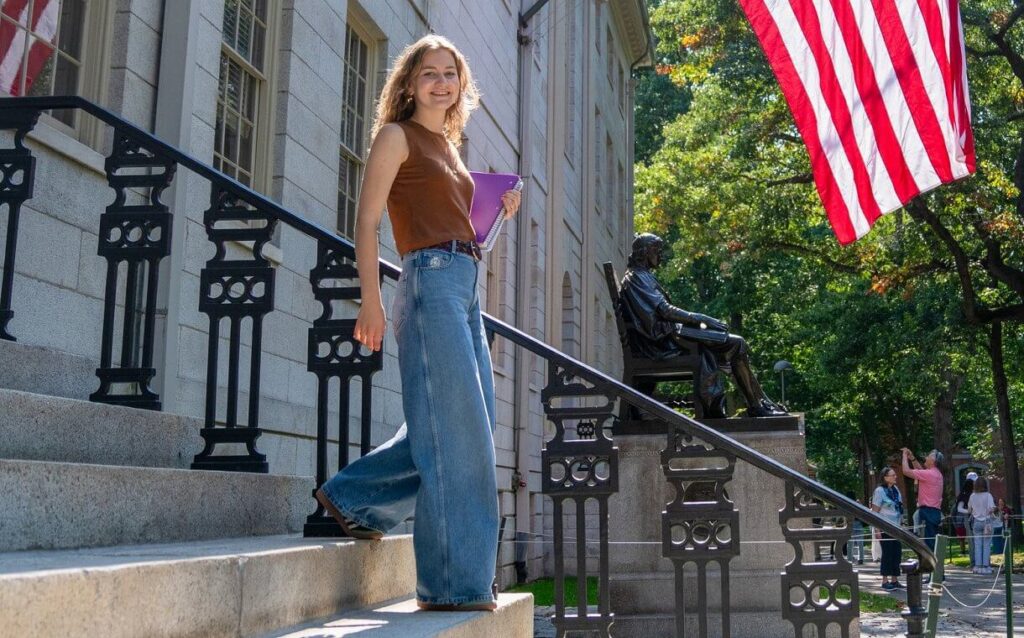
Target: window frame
column 365, row 35
column 94, row 73
column 263, row 124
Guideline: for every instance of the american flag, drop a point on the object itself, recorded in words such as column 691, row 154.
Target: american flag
column 41, row 17
column 878, row 91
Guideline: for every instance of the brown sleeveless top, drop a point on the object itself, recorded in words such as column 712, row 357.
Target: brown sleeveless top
column 432, row 192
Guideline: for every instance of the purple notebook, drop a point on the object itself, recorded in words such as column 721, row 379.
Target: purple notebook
column 486, row 213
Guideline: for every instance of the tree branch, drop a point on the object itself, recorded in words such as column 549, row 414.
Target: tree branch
column 920, row 212
column 803, row 178
column 1005, row 313
column 993, row 261
column 808, row 252
column 786, row 137
column 1010, row 21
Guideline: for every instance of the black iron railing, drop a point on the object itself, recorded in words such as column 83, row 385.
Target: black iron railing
column 577, row 397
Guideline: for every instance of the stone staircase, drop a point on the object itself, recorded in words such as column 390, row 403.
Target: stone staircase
column 105, row 531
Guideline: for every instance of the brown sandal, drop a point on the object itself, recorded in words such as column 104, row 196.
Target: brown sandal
column 351, row 528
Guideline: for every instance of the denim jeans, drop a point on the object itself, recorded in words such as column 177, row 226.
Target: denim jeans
column 930, row 518
column 440, row 463
column 981, row 551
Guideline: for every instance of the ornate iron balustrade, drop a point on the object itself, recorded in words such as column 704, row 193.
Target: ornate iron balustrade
column 577, row 395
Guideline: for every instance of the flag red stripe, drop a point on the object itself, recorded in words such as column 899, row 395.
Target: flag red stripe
column 958, row 64
column 41, row 50
column 803, row 114
column 12, row 9
column 874, row 106
column 832, row 91
column 909, row 75
column 937, row 40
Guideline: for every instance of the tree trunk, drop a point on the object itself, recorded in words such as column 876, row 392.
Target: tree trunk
column 1011, row 469
column 866, row 467
column 942, row 420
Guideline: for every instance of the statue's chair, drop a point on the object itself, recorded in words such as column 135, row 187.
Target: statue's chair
column 643, row 373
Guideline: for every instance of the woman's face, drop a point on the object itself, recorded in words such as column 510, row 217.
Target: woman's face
column 436, row 85
column 890, row 478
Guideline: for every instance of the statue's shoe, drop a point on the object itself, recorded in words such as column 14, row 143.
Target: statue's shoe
column 766, row 408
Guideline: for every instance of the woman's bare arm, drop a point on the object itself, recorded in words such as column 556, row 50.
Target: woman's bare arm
column 387, row 153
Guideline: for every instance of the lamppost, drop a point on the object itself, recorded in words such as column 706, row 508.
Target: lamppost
column 781, row 366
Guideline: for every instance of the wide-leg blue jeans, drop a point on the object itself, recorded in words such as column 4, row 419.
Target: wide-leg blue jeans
column 440, row 463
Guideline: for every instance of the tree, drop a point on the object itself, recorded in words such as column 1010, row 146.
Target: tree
column 731, row 188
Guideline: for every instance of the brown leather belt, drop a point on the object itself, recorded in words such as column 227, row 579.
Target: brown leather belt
column 457, row 246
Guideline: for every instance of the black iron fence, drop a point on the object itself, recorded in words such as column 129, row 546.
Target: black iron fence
column 577, row 398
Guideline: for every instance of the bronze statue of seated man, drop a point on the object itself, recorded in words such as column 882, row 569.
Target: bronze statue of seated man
column 664, row 330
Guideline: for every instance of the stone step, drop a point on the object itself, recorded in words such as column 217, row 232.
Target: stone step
column 46, row 371
column 232, row 587
column 512, row 619
column 49, row 505
column 49, row 428
column 740, row 624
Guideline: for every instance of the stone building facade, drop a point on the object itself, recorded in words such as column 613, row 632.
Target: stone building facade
column 280, row 94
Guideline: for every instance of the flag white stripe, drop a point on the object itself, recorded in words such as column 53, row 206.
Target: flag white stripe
column 11, row 64
column 895, row 101
column 803, row 60
column 885, row 192
column 931, row 73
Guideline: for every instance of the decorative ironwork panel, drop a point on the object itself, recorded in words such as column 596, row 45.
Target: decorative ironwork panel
column 138, row 235
column 700, row 525
column 575, row 471
column 17, row 178
column 235, row 289
column 335, row 353
column 819, row 587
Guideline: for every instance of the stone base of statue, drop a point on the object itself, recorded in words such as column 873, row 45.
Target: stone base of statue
column 643, row 595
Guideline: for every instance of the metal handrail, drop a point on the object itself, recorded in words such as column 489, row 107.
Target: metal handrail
column 623, row 392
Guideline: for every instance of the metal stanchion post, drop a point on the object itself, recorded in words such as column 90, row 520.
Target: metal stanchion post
column 1008, row 574
column 935, row 589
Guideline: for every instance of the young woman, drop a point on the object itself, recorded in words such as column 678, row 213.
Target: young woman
column 888, row 502
column 982, row 509
column 441, row 462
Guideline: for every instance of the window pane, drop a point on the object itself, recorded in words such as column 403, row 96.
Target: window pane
column 230, row 22
column 230, row 151
column 72, row 18
column 258, row 37
column 39, row 67
column 245, row 148
column 244, row 42
column 65, row 81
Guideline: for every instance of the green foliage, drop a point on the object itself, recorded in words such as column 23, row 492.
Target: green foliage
column 876, row 331
column 543, row 590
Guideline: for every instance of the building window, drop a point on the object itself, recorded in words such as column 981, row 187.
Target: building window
column 242, row 90
column 355, row 108
column 52, row 47
column 622, row 88
column 620, row 199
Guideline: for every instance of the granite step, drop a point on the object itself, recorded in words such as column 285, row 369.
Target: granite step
column 229, row 587
column 52, row 505
column 401, row 619
column 46, row 371
column 49, row 428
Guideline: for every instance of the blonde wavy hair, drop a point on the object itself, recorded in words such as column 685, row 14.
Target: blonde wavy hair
column 396, row 103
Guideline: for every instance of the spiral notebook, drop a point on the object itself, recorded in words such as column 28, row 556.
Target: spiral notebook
column 486, row 213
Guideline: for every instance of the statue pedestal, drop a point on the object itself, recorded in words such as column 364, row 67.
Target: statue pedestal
column 643, row 582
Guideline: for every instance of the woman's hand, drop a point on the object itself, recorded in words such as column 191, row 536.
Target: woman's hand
column 370, row 326
column 511, row 200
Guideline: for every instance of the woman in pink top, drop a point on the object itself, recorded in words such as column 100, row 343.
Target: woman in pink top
column 929, row 491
